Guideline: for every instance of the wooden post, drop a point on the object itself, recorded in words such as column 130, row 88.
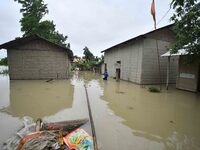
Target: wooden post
column 158, row 55
column 168, row 69
column 91, row 121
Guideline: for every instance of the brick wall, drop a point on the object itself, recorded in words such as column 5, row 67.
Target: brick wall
column 37, row 60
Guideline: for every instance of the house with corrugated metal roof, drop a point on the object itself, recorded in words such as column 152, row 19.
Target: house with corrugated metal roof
column 188, row 76
column 34, row 57
column 138, row 60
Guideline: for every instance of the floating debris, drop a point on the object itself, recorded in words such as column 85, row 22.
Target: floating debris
column 120, row 92
column 43, row 136
column 49, row 80
column 130, row 107
column 78, row 139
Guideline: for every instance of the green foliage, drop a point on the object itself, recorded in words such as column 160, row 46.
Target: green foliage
column 4, row 61
column 88, row 55
column 154, row 89
column 31, row 23
column 88, row 65
column 102, row 58
column 187, row 27
column 88, row 61
column 84, row 65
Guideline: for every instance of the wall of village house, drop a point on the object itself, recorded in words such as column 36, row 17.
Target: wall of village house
column 150, row 69
column 130, row 56
column 188, row 76
column 37, row 60
column 139, row 59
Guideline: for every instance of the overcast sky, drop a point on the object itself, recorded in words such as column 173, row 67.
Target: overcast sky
column 97, row 24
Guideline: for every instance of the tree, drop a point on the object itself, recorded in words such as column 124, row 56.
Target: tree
column 4, row 61
column 88, row 61
column 88, row 55
column 187, row 27
column 31, row 23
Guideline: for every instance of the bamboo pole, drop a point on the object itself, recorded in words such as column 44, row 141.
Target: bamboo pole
column 158, row 55
column 153, row 12
column 91, row 121
column 168, row 69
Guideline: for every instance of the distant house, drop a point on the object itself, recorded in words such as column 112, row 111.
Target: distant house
column 34, row 57
column 76, row 59
column 188, row 77
column 136, row 60
column 97, row 68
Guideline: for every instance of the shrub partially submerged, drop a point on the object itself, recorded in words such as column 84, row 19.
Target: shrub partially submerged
column 154, row 89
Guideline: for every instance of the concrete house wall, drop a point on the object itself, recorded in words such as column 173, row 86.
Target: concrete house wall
column 130, row 56
column 139, row 59
column 188, row 76
column 150, row 69
column 38, row 59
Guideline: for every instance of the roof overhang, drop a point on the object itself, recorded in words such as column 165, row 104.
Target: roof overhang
column 179, row 53
column 136, row 38
column 125, row 42
column 23, row 40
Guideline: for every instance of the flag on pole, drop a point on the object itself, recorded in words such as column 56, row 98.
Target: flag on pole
column 153, row 12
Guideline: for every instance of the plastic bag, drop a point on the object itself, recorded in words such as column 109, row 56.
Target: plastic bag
column 28, row 127
column 78, row 139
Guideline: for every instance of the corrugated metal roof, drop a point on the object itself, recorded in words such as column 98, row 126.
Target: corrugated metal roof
column 179, row 53
column 137, row 37
column 22, row 40
column 26, row 39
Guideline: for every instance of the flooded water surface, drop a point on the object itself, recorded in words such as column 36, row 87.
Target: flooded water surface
column 126, row 116
column 39, row 98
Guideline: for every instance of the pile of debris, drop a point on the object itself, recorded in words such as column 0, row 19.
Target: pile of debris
column 64, row 135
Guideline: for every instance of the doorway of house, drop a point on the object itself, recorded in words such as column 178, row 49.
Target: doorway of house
column 118, row 72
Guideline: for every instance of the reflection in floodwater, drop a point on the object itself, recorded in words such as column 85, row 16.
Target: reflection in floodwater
column 57, row 100
column 171, row 117
column 126, row 116
column 37, row 98
column 85, row 77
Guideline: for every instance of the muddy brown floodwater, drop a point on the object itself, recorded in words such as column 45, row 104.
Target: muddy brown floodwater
column 126, row 115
